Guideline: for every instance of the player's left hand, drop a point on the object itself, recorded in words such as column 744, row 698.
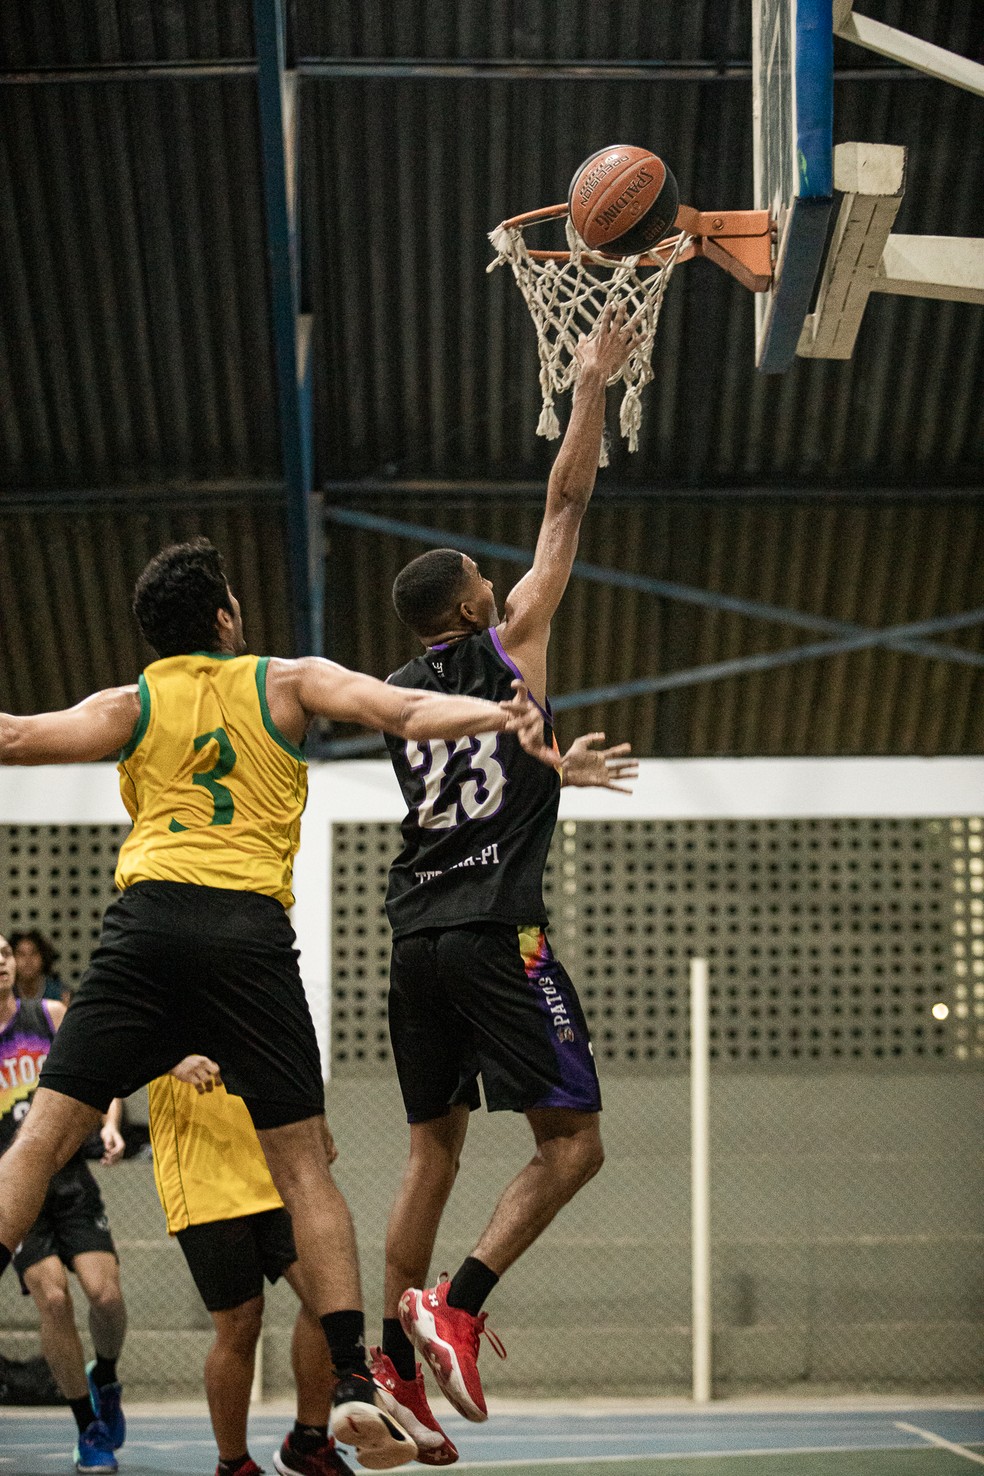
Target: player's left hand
column 593, row 768
column 526, row 721
column 113, row 1143
column 198, row 1071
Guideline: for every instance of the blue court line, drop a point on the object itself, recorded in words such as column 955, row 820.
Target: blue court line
column 182, row 1445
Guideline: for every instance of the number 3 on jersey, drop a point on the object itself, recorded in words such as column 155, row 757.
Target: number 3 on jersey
column 224, row 807
column 476, row 798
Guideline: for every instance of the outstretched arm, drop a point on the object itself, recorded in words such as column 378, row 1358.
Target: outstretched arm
column 319, row 688
column 530, row 606
column 99, row 726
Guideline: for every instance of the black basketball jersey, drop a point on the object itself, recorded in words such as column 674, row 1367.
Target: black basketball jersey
column 480, row 812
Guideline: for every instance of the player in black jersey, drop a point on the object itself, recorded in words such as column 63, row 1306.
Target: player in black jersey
column 475, row 988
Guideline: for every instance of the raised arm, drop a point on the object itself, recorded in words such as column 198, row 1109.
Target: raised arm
column 530, row 606
column 97, row 727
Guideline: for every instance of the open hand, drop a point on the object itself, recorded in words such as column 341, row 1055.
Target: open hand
column 526, row 721
column 593, row 768
column 607, row 348
column 200, row 1072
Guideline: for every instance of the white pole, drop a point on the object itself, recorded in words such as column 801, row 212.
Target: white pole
column 700, row 1185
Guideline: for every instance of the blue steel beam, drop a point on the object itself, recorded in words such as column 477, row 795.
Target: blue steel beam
column 896, row 638
column 713, row 672
column 291, row 329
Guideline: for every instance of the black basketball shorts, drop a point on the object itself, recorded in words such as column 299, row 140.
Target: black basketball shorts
column 228, row 1259
column 182, row 969
column 72, row 1221
column 489, row 1000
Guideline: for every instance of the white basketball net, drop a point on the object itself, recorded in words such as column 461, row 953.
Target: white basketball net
column 566, row 299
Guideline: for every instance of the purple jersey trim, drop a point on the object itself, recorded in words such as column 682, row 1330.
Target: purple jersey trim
column 47, row 1015
column 441, row 646
column 516, row 672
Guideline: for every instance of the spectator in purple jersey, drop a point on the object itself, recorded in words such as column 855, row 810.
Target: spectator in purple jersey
column 475, row 989
column 70, row 1233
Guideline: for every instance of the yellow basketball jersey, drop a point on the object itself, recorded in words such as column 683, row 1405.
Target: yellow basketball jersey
column 208, row 1163
column 214, row 789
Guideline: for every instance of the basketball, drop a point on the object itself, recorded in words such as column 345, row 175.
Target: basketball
column 622, row 200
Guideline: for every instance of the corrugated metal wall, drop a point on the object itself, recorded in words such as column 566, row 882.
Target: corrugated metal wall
column 135, row 342
column 873, row 565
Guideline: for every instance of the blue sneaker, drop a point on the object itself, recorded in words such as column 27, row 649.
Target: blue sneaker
column 94, row 1451
column 108, row 1407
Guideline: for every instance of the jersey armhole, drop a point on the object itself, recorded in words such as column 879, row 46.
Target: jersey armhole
column 268, row 723
column 143, row 721
column 507, row 660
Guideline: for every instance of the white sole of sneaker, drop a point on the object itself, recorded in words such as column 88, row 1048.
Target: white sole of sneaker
column 433, row 1446
column 280, row 1468
column 421, row 1329
column 380, row 1443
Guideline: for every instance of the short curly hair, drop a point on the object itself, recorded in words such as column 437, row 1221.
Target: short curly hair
column 426, row 590
column 177, row 596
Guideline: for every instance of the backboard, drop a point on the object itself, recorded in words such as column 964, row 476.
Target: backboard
column 792, row 80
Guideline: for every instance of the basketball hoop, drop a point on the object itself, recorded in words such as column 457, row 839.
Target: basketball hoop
column 567, row 292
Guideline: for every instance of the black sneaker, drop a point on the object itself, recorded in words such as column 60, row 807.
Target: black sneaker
column 358, row 1420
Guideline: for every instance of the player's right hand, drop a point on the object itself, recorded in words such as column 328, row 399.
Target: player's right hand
column 200, row 1072
column 607, row 348
column 526, row 721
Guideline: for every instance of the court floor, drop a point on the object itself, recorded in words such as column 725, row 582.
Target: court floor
column 939, row 1438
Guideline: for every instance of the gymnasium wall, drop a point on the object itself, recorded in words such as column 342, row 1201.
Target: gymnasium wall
column 847, row 1165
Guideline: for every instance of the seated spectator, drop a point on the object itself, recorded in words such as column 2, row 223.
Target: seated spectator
column 36, row 959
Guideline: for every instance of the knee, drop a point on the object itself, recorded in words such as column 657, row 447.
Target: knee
column 576, row 1160
column 106, row 1297
column 435, row 1170
column 53, row 1300
column 238, row 1328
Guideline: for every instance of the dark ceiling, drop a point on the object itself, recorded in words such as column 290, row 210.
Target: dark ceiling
column 138, row 395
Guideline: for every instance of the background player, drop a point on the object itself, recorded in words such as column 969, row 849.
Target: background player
column 230, row 1222
column 198, row 951
column 71, row 1231
column 475, row 988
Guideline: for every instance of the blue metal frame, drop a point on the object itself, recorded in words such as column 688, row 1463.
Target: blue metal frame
column 860, row 636
column 291, row 331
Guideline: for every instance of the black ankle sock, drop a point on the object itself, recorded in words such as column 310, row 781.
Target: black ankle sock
column 104, row 1371
column 346, row 1334
column 470, row 1285
column 82, row 1410
column 399, row 1349
column 229, row 1468
column 306, row 1439
column 5, row 1258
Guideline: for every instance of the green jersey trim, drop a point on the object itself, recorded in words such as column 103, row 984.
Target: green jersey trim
column 142, row 721
column 268, row 723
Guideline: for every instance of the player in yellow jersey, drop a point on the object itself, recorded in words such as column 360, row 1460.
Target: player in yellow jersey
column 230, row 1222
column 197, row 954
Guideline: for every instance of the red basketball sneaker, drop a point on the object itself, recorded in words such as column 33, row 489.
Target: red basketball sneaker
column 325, row 1461
column 447, row 1339
column 406, row 1400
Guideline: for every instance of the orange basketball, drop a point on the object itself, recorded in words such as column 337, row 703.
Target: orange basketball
column 623, row 200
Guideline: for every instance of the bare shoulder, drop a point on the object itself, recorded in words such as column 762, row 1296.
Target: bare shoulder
column 56, row 1010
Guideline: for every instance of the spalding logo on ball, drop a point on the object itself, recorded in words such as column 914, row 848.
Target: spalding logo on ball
column 623, row 200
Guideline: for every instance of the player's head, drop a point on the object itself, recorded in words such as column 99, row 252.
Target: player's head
column 8, row 967
column 183, row 602
column 443, row 593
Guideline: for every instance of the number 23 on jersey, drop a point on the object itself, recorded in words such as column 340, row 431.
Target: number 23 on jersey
column 474, row 792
